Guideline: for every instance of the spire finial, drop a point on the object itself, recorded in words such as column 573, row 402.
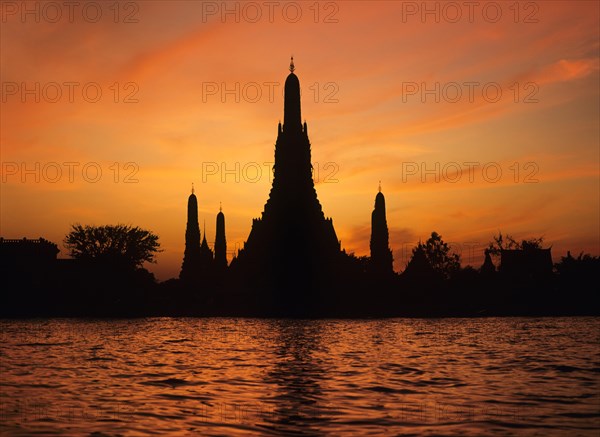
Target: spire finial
column 292, row 68
column 380, row 186
column 220, row 207
column 192, row 188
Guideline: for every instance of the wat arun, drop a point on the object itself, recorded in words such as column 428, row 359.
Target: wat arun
column 292, row 249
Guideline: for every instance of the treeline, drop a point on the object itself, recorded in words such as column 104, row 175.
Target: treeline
column 106, row 278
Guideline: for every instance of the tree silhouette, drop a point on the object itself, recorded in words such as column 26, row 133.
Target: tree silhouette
column 439, row 255
column 119, row 244
column 576, row 266
column 501, row 243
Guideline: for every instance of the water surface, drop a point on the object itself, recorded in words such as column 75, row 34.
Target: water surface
column 492, row 376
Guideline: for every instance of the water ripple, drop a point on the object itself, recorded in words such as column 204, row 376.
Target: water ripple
column 162, row 376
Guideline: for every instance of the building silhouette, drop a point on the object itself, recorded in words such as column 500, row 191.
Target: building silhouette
column 27, row 267
column 526, row 263
column 487, row 268
column 292, row 246
column 220, row 242
column 206, row 262
column 28, row 251
column 381, row 256
column 190, row 268
column 27, row 259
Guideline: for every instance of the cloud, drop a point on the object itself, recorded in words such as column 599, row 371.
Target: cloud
column 564, row 70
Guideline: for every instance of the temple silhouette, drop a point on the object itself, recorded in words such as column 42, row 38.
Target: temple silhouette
column 292, row 249
column 220, row 243
column 201, row 266
column 382, row 262
column 292, row 265
column 191, row 268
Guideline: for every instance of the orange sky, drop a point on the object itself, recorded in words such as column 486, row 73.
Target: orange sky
column 365, row 122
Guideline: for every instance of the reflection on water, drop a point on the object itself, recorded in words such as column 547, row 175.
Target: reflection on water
column 339, row 377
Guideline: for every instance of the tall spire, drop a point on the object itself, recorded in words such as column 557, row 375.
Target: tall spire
column 292, row 120
column 189, row 268
column 381, row 255
column 292, row 216
column 220, row 241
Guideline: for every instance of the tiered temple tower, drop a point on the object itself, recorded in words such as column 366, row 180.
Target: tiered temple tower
column 381, row 255
column 198, row 258
column 220, row 242
column 191, row 257
column 293, row 246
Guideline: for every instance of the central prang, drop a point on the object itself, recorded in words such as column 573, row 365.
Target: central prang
column 293, row 245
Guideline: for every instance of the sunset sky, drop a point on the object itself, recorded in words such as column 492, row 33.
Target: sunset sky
column 363, row 67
